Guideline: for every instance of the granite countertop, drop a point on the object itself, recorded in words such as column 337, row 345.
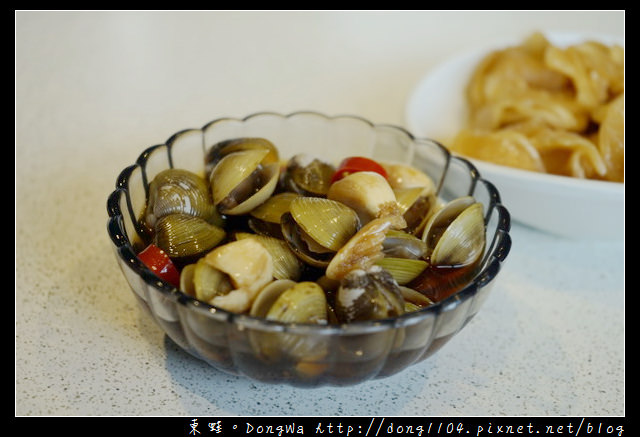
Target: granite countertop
column 94, row 89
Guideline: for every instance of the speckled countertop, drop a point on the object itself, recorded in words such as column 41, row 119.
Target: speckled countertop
column 93, row 89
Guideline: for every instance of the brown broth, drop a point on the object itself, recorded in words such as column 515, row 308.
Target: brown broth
column 440, row 282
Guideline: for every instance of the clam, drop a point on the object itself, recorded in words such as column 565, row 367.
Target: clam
column 305, row 302
column 265, row 218
column 366, row 192
column 249, row 267
column 184, row 236
column 292, row 303
column 203, row 281
column 402, row 244
column 242, row 180
column 370, row 294
column 179, row 191
column 364, row 248
column 268, row 295
column 286, row 265
column 455, row 234
column 315, row 228
column 223, row 148
column 416, row 205
column 307, row 175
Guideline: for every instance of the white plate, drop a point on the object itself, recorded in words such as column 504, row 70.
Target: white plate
column 570, row 207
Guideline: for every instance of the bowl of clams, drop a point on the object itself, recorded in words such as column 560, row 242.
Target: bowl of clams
column 307, row 249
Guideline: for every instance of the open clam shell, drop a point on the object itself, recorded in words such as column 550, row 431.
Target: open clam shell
column 368, row 295
column 224, row 148
column 307, row 175
column 455, row 234
column 265, row 218
column 242, row 180
column 203, row 281
column 364, row 248
column 316, row 227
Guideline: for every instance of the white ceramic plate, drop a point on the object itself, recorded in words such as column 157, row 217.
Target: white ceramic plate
column 569, row 207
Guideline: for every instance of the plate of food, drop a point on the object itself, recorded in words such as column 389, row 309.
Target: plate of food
column 542, row 116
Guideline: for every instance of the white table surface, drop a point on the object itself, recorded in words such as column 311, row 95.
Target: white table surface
column 93, row 89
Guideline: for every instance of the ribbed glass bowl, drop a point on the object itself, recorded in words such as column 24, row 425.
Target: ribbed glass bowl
column 354, row 352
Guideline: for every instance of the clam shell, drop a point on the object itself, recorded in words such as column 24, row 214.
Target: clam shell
column 402, row 244
column 416, row 204
column 364, row 248
column 462, row 243
column 272, row 209
column 403, row 270
column 440, row 219
column 270, row 174
column 286, row 265
column 268, row 295
column 305, row 302
column 232, row 170
column 328, row 223
column 223, row 148
column 183, row 235
column 179, row 191
column 243, row 180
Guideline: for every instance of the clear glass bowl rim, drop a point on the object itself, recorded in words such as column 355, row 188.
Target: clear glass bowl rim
column 495, row 256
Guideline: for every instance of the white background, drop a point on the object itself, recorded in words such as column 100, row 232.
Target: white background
column 93, row 89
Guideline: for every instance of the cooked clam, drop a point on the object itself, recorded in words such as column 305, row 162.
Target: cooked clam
column 416, row 204
column 307, row 175
column 364, row 248
column 223, row 148
column 403, row 270
column 268, row 295
column 402, row 244
column 305, row 302
column 286, row 265
column 455, row 234
column 366, row 192
column 298, row 303
column 249, row 267
column 179, row 191
column 368, row 295
column 265, row 219
column 183, row 236
column 203, row 281
column 315, row 228
column 242, row 180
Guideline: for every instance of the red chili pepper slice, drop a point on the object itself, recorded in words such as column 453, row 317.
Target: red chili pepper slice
column 355, row 164
column 159, row 263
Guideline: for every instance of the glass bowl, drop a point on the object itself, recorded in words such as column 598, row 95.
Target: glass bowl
column 354, row 352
